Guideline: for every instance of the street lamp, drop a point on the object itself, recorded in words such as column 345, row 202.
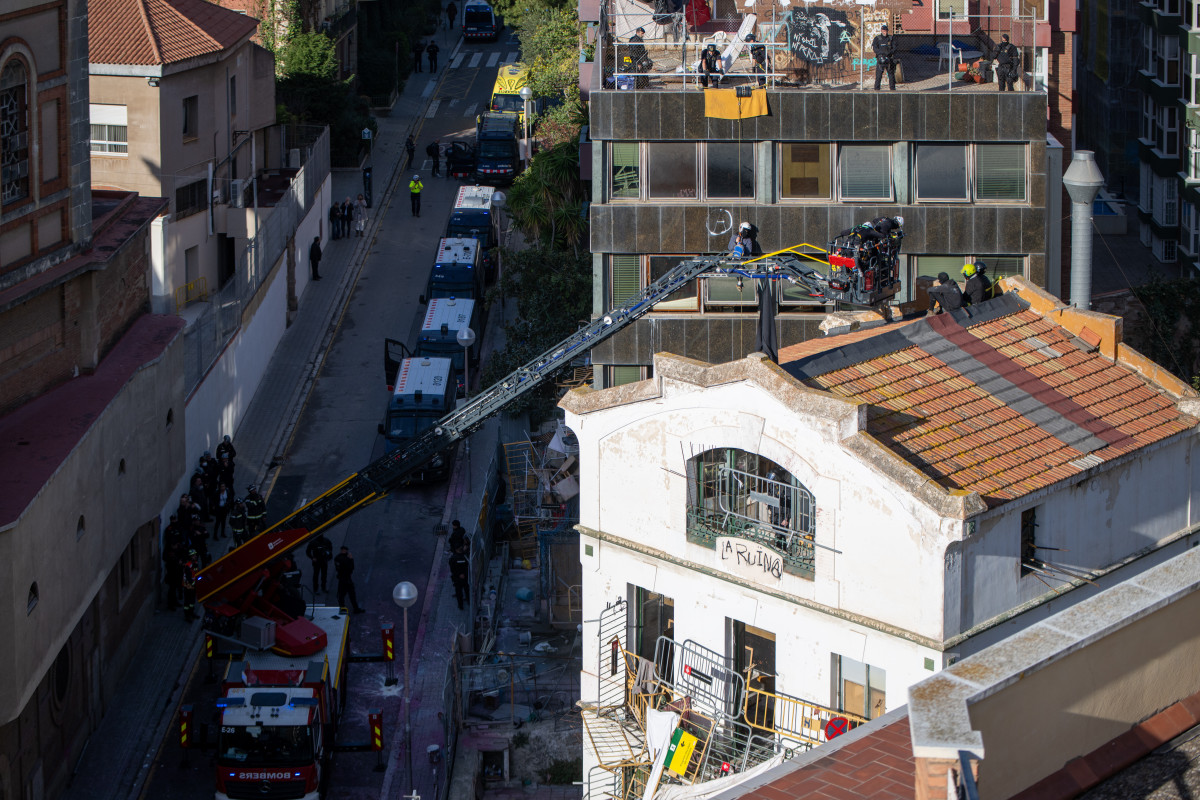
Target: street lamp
column 404, row 595
column 526, row 95
column 466, row 338
column 498, row 200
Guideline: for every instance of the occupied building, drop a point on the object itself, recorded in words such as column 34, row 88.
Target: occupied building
column 803, row 542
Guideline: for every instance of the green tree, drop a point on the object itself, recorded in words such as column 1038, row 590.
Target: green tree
column 554, row 297
column 550, row 38
column 309, row 56
column 546, row 201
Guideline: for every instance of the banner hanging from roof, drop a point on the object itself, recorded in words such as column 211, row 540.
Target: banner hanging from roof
column 726, row 104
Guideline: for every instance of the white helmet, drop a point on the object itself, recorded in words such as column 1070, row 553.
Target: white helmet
column 900, row 221
column 745, row 226
column 416, row 177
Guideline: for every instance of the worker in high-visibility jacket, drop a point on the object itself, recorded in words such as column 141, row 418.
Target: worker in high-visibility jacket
column 414, row 192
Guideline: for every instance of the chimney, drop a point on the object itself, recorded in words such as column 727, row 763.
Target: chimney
column 1083, row 180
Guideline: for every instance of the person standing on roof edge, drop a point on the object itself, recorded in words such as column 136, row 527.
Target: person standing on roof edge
column 1008, row 64
column 884, row 47
column 414, row 193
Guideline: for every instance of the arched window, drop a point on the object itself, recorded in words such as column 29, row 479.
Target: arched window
column 735, row 493
column 14, row 132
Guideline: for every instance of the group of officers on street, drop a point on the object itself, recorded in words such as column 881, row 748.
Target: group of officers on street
column 711, row 68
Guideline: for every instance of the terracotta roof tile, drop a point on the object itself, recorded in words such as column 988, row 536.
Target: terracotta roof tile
column 938, row 415
column 155, row 32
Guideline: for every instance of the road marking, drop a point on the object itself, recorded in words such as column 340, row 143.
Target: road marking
column 469, row 111
column 492, row 59
column 511, row 58
column 475, row 59
column 428, row 90
column 457, row 60
column 433, row 109
column 453, row 103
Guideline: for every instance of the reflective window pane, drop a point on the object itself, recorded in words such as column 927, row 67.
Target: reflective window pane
column 730, row 169
column 671, row 170
column 942, row 172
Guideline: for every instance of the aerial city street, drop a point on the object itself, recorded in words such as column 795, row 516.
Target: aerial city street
column 599, row 400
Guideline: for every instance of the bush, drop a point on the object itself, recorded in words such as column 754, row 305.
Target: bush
column 563, row 771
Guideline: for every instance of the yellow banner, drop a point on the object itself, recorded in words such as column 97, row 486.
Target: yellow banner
column 725, row 104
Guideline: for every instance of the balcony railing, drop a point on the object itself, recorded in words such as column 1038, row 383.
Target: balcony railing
column 795, row 549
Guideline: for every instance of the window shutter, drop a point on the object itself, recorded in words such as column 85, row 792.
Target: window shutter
column 866, row 172
column 1000, row 172
column 626, row 278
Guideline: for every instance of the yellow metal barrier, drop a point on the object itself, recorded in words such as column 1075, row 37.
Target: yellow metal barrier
column 190, row 293
column 792, row 717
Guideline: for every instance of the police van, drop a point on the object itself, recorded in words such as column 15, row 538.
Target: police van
column 457, row 271
column 438, row 338
column 424, row 391
column 480, row 22
column 474, row 215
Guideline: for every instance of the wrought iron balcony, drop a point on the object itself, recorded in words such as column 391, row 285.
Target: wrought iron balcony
column 796, row 550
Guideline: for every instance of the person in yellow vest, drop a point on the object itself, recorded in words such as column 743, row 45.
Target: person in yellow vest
column 414, row 192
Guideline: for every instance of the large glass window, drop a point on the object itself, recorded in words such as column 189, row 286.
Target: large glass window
column 14, row 132
column 685, row 298
column 626, row 172
column 861, row 688
column 671, row 170
column 729, row 169
column 946, row 8
column 805, row 171
column 942, row 172
column 865, row 171
column 1000, row 172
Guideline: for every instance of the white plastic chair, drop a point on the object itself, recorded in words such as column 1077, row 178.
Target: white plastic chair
column 948, row 52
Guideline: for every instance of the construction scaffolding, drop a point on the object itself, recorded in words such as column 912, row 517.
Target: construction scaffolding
column 730, row 728
column 542, row 488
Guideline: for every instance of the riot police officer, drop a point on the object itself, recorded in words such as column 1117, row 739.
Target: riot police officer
column 711, row 67
column 885, row 57
column 1008, row 64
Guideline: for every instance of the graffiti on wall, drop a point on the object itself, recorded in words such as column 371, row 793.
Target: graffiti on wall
column 819, row 35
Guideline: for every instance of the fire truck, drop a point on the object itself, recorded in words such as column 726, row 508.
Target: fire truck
column 243, row 592
column 279, row 713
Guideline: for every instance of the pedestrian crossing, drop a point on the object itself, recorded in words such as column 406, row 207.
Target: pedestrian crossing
column 475, row 58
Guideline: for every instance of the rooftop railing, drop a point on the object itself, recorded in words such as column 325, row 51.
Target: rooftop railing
column 800, row 47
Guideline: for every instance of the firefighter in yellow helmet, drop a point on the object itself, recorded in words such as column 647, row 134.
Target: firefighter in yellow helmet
column 978, row 288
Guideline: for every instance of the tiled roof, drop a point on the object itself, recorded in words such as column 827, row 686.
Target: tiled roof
column 878, row 766
column 148, row 32
column 999, row 400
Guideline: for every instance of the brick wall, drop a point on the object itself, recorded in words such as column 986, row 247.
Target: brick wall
column 44, row 339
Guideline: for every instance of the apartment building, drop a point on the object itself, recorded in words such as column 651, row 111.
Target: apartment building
column 800, row 543
column 184, row 117
column 976, row 173
column 91, row 408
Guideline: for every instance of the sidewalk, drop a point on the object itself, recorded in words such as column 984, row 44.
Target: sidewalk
column 121, row 752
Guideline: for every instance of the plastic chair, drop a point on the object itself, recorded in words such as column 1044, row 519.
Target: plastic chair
column 954, row 54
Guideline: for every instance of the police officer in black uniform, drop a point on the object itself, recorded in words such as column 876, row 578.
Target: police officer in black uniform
column 758, row 53
column 225, row 449
column 1008, row 64
column 320, row 552
column 711, row 67
column 885, row 57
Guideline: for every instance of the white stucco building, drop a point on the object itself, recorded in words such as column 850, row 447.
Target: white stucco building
column 834, row 528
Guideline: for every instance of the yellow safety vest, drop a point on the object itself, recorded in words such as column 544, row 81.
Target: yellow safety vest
column 415, row 187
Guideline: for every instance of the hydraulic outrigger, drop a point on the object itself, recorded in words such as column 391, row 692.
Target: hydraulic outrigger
column 237, row 585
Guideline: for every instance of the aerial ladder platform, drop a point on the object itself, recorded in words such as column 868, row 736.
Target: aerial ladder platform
column 239, row 584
